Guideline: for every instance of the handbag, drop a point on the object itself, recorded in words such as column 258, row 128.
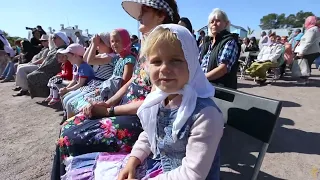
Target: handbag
column 300, row 68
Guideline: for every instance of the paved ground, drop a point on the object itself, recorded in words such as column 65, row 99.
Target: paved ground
column 29, row 131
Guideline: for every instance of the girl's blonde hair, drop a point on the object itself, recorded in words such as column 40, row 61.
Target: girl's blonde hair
column 158, row 36
column 218, row 14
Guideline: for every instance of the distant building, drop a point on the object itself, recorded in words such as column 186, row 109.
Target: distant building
column 233, row 29
column 69, row 32
column 279, row 32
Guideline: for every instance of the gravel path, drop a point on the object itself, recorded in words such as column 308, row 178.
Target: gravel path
column 29, row 131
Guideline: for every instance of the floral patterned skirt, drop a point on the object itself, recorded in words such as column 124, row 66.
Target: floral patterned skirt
column 80, row 135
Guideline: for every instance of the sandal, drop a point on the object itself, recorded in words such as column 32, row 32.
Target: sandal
column 53, row 101
column 49, row 98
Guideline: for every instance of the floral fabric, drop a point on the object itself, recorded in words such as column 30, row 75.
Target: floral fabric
column 80, row 135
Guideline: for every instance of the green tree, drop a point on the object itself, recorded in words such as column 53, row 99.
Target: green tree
column 11, row 39
column 276, row 21
column 269, row 21
column 250, row 31
column 301, row 17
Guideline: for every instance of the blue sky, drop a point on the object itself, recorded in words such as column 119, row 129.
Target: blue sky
column 106, row 15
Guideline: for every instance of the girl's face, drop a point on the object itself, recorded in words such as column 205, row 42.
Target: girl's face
column 168, row 67
column 61, row 58
column 72, row 58
column 116, row 43
column 149, row 18
column 102, row 46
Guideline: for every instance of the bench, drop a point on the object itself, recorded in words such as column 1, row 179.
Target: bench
column 250, row 114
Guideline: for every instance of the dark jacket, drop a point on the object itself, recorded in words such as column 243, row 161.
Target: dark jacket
column 229, row 80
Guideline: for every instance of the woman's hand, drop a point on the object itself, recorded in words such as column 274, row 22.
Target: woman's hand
column 87, row 110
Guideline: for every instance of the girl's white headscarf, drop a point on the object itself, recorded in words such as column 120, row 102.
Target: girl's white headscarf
column 197, row 86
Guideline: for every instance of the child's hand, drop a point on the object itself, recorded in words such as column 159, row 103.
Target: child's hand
column 63, row 91
column 127, row 173
column 96, row 39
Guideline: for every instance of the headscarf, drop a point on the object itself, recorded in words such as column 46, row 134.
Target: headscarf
column 105, row 37
column 197, row 86
column 187, row 22
column 7, row 47
column 126, row 42
column 310, row 22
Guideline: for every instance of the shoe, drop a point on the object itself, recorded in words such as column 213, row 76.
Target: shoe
column 21, row 93
column 5, row 80
column 1, row 78
column 63, row 119
column 48, row 99
column 261, row 82
column 53, row 101
column 302, row 82
column 17, row 88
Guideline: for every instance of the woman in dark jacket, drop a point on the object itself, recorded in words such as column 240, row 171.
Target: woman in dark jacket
column 28, row 51
column 253, row 45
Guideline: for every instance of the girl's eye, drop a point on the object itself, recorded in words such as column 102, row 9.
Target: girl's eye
column 155, row 62
column 177, row 61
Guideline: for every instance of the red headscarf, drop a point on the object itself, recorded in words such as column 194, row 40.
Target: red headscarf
column 126, row 42
column 310, row 22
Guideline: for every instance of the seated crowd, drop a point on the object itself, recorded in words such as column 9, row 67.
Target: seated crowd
column 139, row 113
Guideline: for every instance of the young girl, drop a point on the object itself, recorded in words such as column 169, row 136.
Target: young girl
column 123, row 69
column 182, row 125
column 60, row 80
column 82, row 71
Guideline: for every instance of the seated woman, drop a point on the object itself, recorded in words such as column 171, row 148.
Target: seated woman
column 219, row 57
column 288, row 54
column 28, row 59
column 6, row 51
column 268, row 57
column 308, row 47
column 61, row 80
column 123, row 69
column 37, row 80
column 28, row 52
column 120, row 127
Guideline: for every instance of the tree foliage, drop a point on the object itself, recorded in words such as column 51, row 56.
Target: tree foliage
column 276, row 21
column 11, row 39
column 250, row 31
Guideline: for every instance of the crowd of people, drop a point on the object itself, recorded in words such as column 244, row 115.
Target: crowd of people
column 141, row 109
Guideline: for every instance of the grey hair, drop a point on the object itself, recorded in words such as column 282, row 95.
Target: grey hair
column 218, row 14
